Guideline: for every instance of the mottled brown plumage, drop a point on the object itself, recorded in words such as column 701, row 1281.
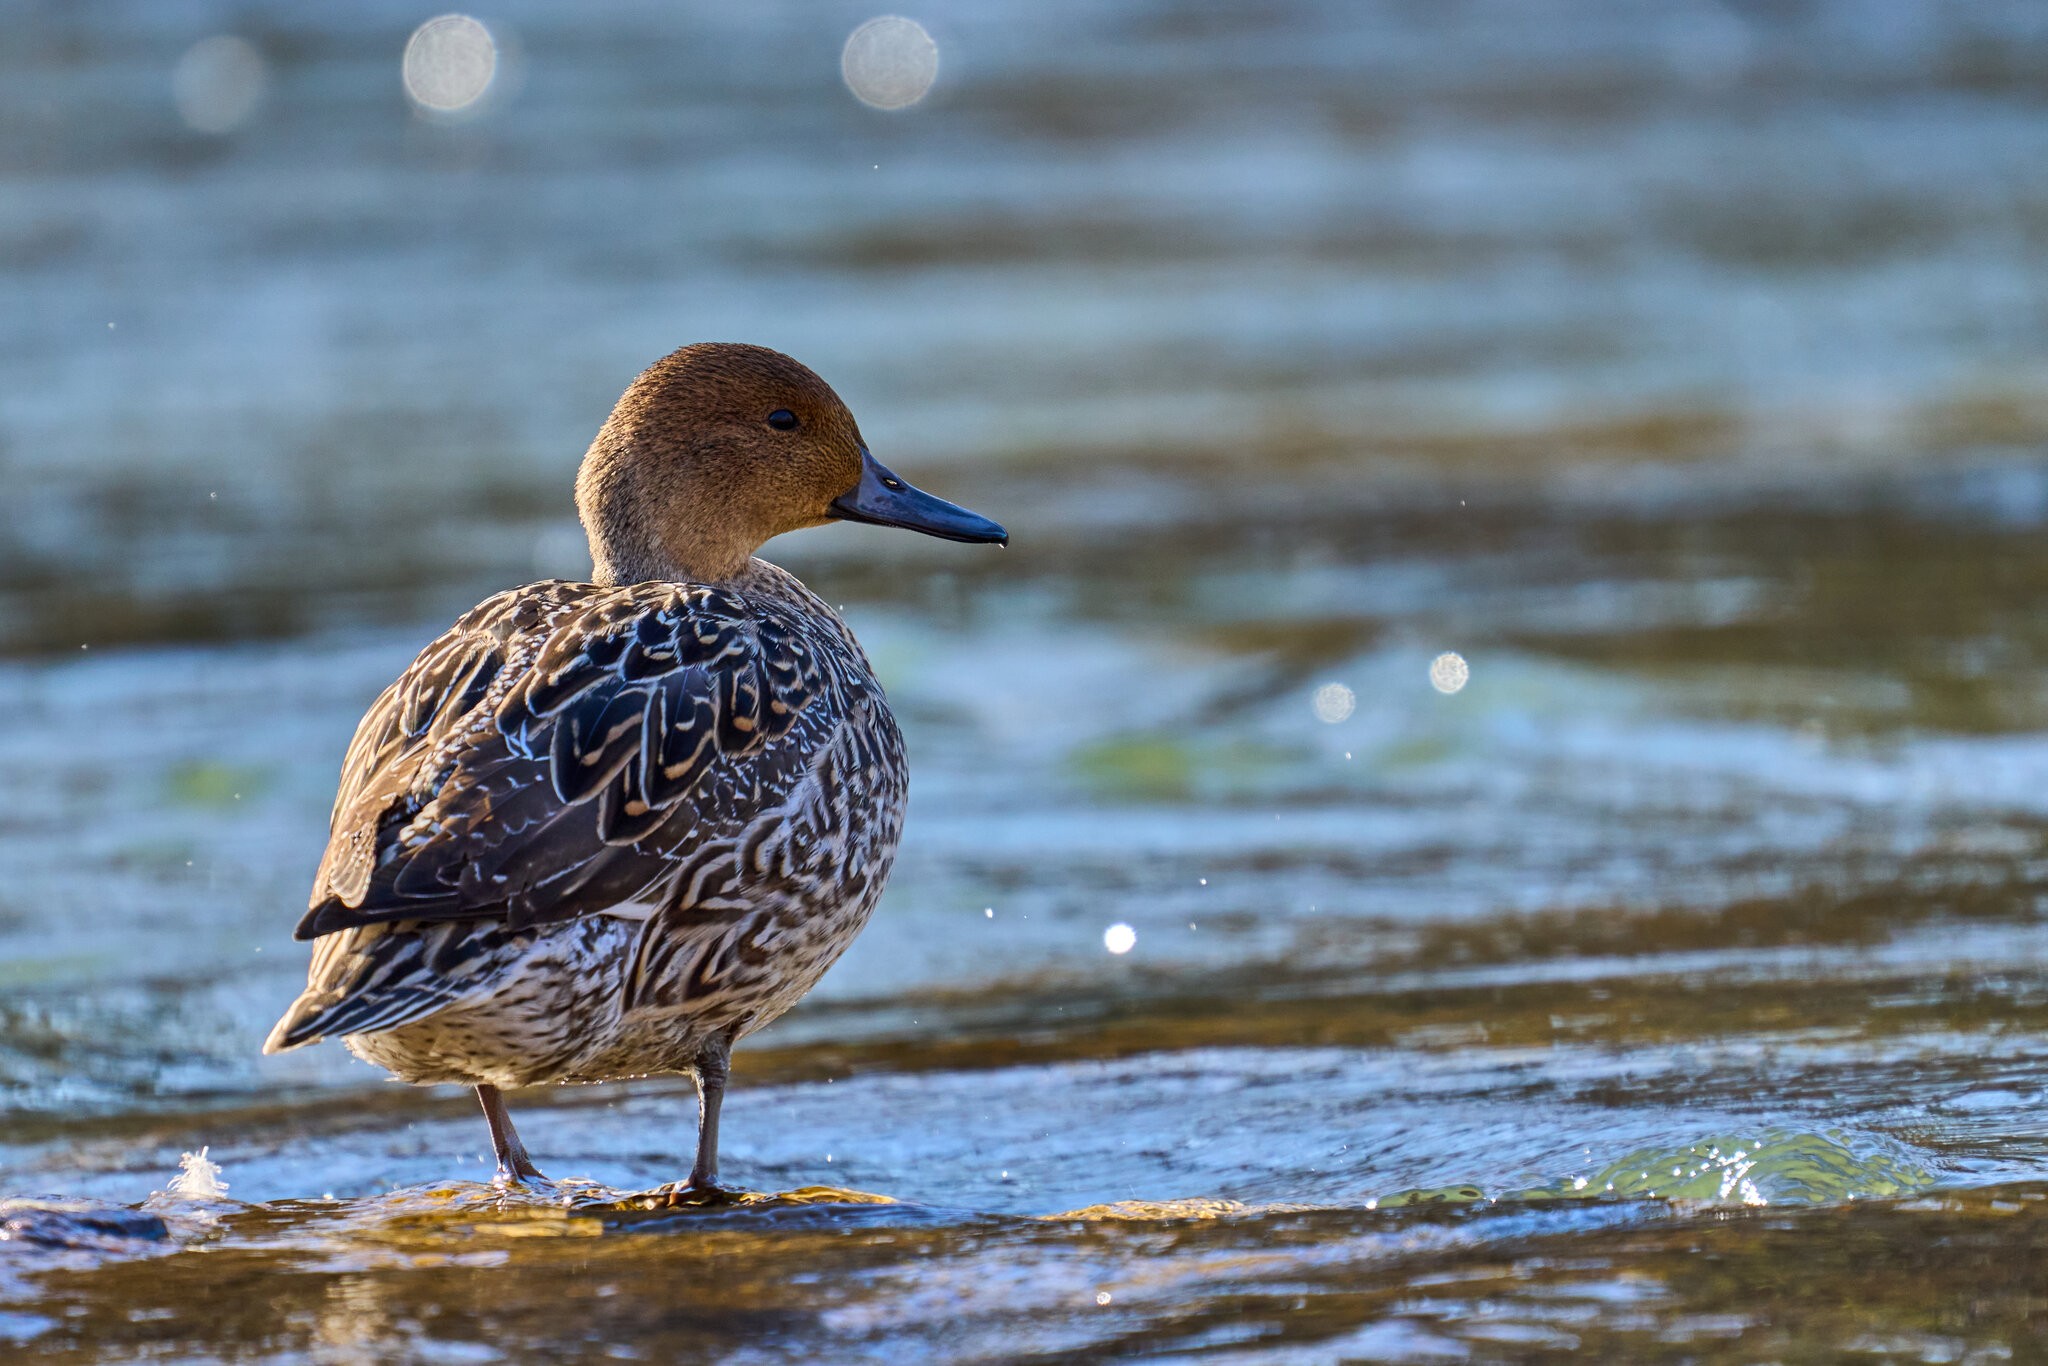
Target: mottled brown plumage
column 606, row 829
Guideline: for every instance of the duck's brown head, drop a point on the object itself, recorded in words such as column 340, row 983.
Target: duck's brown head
column 719, row 446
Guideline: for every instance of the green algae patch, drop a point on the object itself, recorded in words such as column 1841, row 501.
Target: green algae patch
column 213, row 786
column 1138, row 767
column 1431, row 1195
column 1773, row 1168
column 1162, row 768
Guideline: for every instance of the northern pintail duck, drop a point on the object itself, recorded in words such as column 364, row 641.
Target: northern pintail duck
column 602, row 830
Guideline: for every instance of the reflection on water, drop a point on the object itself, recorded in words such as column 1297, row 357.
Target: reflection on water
column 1494, row 808
column 447, row 1269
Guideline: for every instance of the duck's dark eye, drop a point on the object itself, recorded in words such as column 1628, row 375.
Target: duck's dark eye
column 782, row 420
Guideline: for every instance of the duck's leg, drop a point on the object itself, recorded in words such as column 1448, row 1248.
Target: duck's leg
column 513, row 1163
column 714, row 1065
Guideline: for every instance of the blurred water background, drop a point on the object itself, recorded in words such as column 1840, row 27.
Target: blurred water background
column 1670, row 981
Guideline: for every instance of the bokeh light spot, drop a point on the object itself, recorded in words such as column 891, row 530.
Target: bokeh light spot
column 1333, row 702
column 889, row 62
column 1119, row 938
column 1448, row 672
column 218, row 83
column 449, row 62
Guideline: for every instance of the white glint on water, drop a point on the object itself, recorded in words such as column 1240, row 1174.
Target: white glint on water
column 889, row 63
column 198, row 1178
column 449, row 62
column 1333, row 702
column 217, row 84
column 1448, row 672
column 1119, row 938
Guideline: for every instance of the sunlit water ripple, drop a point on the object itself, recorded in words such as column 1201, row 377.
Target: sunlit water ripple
column 1675, row 986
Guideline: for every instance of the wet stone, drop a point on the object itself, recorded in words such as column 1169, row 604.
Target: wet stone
column 77, row 1225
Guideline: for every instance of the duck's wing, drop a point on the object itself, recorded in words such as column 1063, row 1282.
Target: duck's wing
column 567, row 750
column 376, row 977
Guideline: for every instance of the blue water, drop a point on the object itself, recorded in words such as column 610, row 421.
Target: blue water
column 1676, row 365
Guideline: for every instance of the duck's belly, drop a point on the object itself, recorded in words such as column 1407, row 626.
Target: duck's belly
column 601, row 997
column 719, row 978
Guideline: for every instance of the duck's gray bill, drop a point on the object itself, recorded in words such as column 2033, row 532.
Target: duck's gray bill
column 884, row 500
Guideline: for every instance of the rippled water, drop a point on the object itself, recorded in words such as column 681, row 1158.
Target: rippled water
column 1676, row 988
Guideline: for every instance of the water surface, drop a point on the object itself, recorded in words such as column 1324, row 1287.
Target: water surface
column 1676, row 988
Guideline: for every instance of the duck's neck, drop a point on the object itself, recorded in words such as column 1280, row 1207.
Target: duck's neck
column 639, row 534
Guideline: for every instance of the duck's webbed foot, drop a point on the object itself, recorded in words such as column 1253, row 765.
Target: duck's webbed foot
column 519, row 1174
column 697, row 1194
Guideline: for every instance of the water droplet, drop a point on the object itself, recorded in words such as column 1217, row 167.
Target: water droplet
column 449, row 63
column 198, row 1178
column 1333, row 703
column 1448, row 672
column 889, row 63
column 217, row 84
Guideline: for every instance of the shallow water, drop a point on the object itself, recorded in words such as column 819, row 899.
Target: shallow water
column 1678, row 988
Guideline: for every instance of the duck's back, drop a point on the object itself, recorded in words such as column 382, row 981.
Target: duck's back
column 634, row 814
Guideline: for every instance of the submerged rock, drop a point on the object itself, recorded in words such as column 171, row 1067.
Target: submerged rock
column 77, row 1224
